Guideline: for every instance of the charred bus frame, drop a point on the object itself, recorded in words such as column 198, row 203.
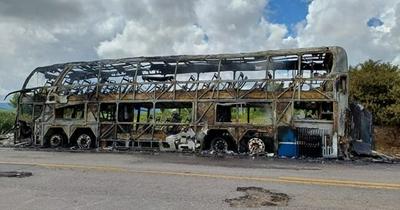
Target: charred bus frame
column 237, row 102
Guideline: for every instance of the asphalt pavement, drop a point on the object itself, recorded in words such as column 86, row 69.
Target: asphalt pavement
column 73, row 180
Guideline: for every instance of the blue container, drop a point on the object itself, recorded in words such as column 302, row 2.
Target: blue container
column 287, row 142
column 288, row 149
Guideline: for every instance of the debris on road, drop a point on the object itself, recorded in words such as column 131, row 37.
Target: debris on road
column 7, row 139
column 379, row 157
column 258, row 197
column 17, row 174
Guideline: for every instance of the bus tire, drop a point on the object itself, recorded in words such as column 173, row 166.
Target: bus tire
column 56, row 140
column 256, row 146
column 84, row 141
column 219, row 144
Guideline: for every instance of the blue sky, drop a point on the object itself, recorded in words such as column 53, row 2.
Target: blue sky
column 288, row 12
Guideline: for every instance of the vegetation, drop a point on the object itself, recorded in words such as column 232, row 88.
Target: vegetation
column 376, row 85
column 7, row 120
column 14, row 100
column 7, row 117
column 255, row 115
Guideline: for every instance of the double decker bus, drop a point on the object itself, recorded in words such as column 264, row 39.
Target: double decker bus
column 286, row 102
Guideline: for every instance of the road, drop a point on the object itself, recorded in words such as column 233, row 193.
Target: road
column 66, row 180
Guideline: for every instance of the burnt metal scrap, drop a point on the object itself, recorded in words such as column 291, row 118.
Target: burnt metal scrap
column 361, row 130
column 283, row 102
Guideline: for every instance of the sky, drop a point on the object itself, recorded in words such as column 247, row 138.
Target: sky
column 43, row 32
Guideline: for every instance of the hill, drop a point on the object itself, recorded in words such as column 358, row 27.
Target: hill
column 6, row 106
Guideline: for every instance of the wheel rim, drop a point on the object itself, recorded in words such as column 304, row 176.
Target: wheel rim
column 256, row 146
column 220, row 145
column 55, row 140
column 84, row 141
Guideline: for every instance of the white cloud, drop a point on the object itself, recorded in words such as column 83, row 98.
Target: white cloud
column 43, row 32
column 238, row 26
column 166, row 28
column 344, row 23
column 139, row 39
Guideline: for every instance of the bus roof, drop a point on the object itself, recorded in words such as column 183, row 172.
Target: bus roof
column 193, row 63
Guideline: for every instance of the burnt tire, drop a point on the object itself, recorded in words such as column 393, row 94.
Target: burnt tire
column 219, row 144
column 84, row 141
column 256, row 146
column 56, row 140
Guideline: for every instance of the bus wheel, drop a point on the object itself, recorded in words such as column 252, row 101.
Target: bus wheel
column 56, row 140
column 256, row 146
column 84, row 141
column 219, row 144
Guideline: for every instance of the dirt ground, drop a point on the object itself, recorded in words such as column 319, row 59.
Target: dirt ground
column 387, row 140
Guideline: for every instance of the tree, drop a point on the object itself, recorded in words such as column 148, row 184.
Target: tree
column 14, row 100
column 376, row 85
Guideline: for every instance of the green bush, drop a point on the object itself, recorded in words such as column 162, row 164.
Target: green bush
column 376, row 85
column 7, row 120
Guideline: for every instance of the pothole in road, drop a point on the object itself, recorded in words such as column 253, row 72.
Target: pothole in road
column 258, row 197
column 16, row 174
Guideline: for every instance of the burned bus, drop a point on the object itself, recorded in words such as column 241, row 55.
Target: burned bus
column 286, row 102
